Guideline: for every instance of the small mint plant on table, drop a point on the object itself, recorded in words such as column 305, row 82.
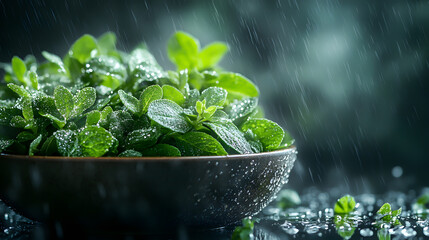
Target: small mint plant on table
column 100, row 101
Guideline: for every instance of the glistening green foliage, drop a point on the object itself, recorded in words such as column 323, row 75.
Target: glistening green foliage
column 99, row 101
column 345, row 205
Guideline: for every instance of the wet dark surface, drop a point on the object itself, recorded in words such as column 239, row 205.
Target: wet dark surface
column 313, row 219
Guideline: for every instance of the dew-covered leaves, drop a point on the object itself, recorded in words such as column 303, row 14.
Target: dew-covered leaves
column 19, row 68
column 130, row 153
column 168, row 114
column 95, row 141
column 5, row 143
column 149, row 95
column 269, row 133
column 241, row 108
column 183, row 50
column 84, row 99
column 231, row 136
column 129, row 101
column 92, row 118
column 199, row 143
column 84, row 48
column 162, row 150
column 344, row 205
column 212, row 54
column 238, row 86
column 142, row 138
column 64, row 101
column 214, row 96
column 34, row 145
column 173, row 94
column 67, row 142
column 98, row 101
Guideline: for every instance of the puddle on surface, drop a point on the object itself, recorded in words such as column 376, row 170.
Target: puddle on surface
column 14, row 226
column 313, row 219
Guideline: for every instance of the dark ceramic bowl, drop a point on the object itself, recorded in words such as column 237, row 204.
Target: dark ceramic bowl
column 143, row 192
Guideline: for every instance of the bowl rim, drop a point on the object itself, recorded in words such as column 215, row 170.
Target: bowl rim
column 291, row 148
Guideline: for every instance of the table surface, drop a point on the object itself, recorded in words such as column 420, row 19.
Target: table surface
column 313, row 219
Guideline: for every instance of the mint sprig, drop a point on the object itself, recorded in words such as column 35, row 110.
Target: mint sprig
column 100, row 101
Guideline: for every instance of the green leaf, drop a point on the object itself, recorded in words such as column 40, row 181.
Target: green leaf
column 104, row 117
column 396, row 213
column 199, row 143
column 19, row 68
column 173, row 94
column 212, row 54
column 20, row 90
column 106, row 71
column 130, row 102
column 27, row 109
column 84, row 48
column 269, row 133
column 345, row 205
column 63, row 101
column 92, row 118
column 142, row 138
column 219, row 116
column 244, row 232
column 130, row 153
column 214, row 96
column 162, row 150
column 66, row 142
column 55, row 60
column 386, row 215
column 385, row 209
column 18, row 122
column 183, row 79
column 25, row 136
column 231, row 136
column 238, row 86
column 5, row 143
column 168, row 114
column 49, row 147
column 209, row 112
column 192, row 98
column 196, row 79
column 46, row 107
column 119, row 124
column 34, row 144
column 149, row 95
column 84, row 99
column 241, row 108
column 141, row 59
column 287, row 141
column 60, row 123
column 200, row 106
column 95, row 141
column 107, row 42
column 34, row 80
column 183, row 50
column 74, row 67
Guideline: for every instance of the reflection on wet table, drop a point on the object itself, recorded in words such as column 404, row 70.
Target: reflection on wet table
column 314, row 218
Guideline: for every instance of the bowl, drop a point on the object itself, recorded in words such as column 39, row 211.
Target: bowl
column 145, row 193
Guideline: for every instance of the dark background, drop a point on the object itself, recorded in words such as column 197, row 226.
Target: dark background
column 348, row 79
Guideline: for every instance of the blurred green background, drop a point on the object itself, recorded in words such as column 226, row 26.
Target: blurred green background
column 348, row 79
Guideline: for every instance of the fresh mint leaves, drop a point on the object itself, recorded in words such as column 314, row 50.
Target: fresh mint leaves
column 386, row 215
column 345, row 205
column 98, row 101
column 244, row 232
